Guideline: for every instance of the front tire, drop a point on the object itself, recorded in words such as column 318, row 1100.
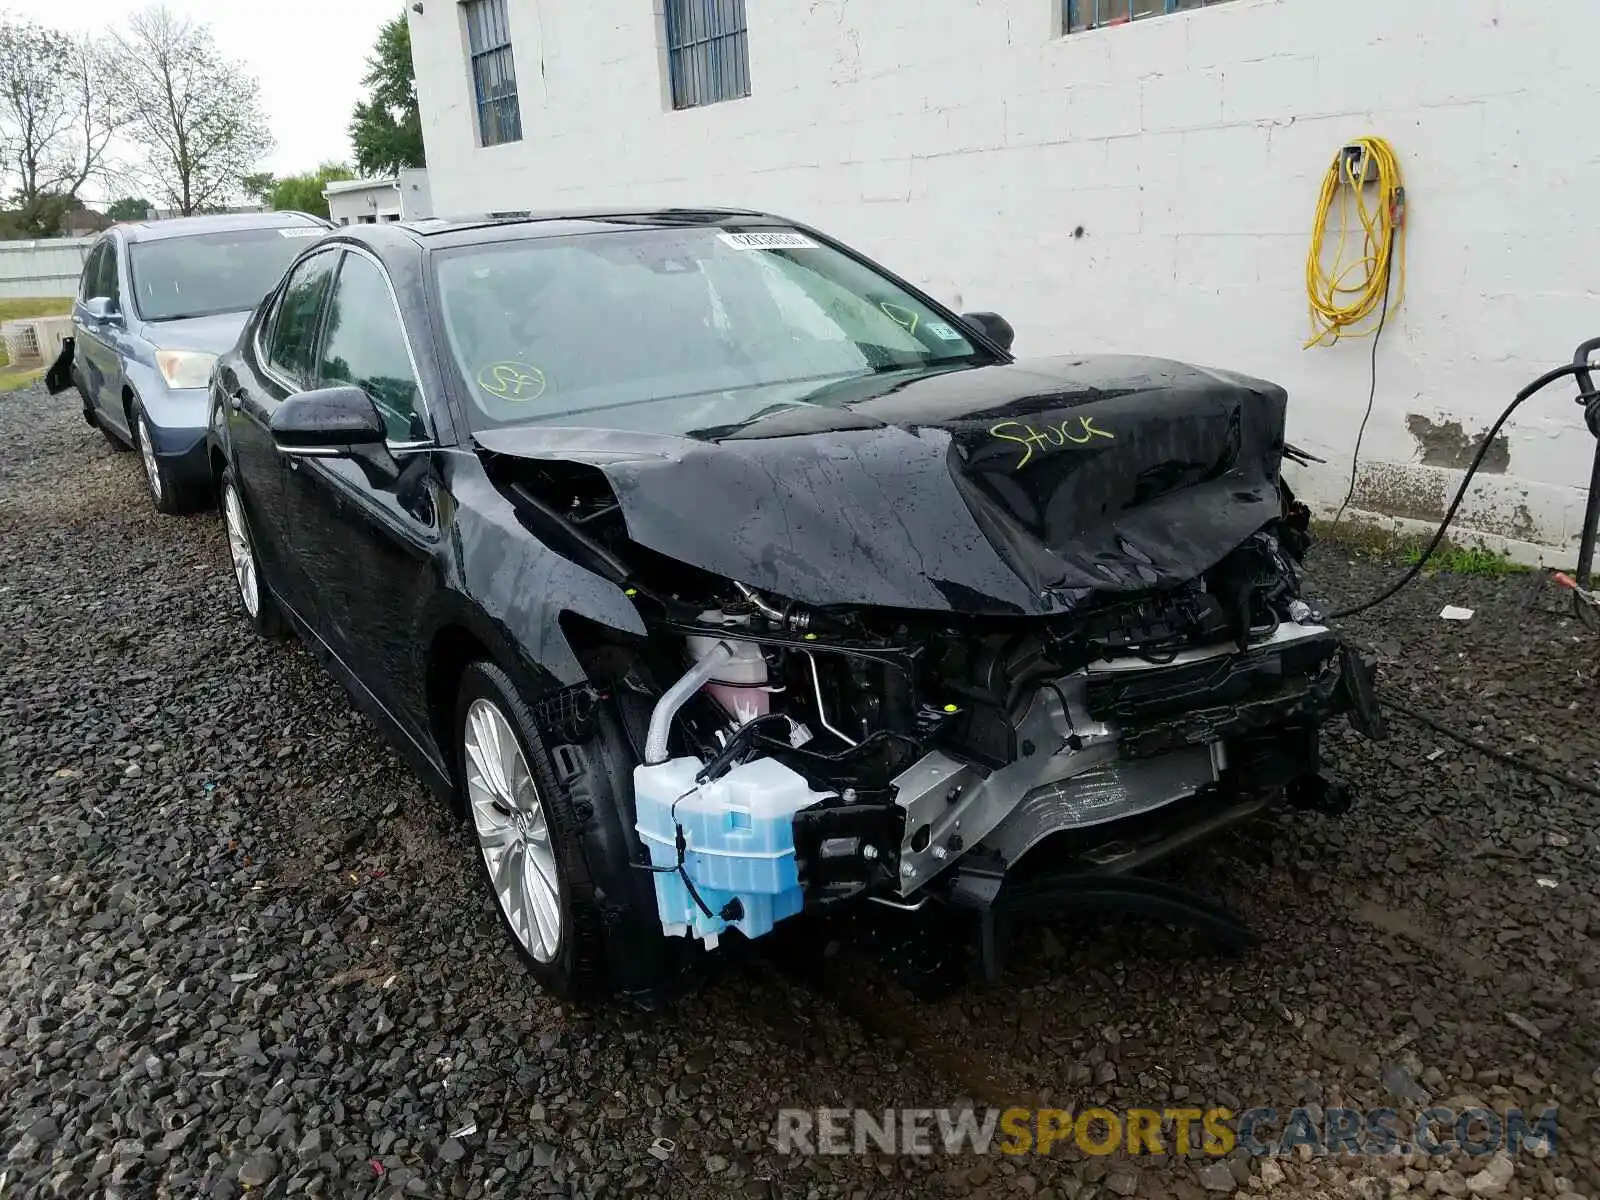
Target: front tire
column 555, row 846
column 165, row 493
column 254, row 597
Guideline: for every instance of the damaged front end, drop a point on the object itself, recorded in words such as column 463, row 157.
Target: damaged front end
column 836, row 741
column 824, row 759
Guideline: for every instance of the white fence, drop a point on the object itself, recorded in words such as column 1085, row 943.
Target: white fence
column 46, row 267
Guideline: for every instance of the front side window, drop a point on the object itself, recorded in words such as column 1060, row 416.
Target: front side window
column 210, row 273
column 294, row 325
column 708, row 51
column 677, row 330
column 110, row 285
column 93, row 269
column 364, row 344
column 494, row 72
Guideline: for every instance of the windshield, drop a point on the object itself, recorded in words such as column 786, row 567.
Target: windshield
column 674, row 330
column 211, row 273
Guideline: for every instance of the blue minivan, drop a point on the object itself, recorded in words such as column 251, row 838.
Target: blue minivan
column 157, row 303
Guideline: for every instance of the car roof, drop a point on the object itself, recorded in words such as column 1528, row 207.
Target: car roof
column 177, row 227
column 445, row 232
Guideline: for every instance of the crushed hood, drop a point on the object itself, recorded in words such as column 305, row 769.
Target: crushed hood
column 1014, row 489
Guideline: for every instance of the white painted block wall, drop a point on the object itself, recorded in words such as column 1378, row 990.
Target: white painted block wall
column 964, row 142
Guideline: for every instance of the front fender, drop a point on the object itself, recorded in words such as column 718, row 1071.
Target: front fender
column 520, row 585
column 178, row 411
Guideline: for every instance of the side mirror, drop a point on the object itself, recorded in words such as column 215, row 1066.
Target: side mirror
column 102, row 309
column 328, row 422
column 993, row 326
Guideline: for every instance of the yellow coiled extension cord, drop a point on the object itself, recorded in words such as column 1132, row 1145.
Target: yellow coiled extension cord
column 1347, row 296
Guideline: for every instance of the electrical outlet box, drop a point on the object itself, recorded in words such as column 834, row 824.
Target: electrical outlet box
column 1359, row 165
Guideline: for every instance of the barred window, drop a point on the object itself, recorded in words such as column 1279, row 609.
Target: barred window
column 1078, row 15
column 494, row 74
column 708, row 51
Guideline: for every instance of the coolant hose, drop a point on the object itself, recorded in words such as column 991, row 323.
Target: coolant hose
column 676, row 696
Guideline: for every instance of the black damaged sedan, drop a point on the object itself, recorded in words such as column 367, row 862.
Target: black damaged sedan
column 716, row 575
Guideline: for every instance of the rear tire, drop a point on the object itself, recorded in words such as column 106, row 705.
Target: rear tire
column 254, row 595
column 575, row 822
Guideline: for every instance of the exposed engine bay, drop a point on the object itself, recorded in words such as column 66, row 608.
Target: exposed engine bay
column 802, row 759
column 1083, row 663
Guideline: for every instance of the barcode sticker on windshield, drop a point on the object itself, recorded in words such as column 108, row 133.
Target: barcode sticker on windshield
column 770, row 239
column 942, row 331
column 301, row 231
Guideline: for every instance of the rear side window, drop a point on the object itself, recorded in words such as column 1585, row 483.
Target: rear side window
column 294, row 325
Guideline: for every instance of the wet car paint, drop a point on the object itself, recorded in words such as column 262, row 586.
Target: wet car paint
column 434, row 551
column 1007, row 489
column 912, row 504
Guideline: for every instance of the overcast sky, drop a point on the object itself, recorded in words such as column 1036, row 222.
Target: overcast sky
column 309, row 56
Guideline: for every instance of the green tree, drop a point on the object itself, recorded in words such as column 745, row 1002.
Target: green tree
column 386, row 128
column 129, row 208
column 258, row 186
column 56, row 120
column 303, row 193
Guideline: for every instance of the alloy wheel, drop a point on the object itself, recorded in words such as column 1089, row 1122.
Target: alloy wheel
column 244, row 561
column 513, row 832
column 147, row 451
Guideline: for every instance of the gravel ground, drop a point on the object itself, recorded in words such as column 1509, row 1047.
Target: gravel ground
column 241, row 950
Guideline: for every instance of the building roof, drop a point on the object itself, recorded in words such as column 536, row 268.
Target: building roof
column 358, row 185
column 177, row 227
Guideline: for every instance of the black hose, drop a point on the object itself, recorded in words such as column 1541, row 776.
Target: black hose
column 1372, row 392
column 1482, row 747
column 1538, row 385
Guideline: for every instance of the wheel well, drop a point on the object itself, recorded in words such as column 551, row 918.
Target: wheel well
column 453, row 650
column 219, row 464
column 127, row 405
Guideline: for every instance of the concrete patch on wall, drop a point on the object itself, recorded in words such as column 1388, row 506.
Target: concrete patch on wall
column 1400, row 490
column 1447, row 444
column 1500, row 516
column 1413, row 492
